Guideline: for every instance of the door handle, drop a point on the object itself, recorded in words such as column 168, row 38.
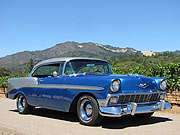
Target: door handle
column 41, row 81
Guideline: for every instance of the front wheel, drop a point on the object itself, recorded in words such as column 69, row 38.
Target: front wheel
column 22, row 106
column 88, row 111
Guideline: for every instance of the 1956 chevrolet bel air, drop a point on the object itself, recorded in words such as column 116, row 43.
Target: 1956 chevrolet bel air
column 89, row 87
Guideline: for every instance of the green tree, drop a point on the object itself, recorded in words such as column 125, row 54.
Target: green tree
column 3, row 83
column 4, row 72
column 30, row 65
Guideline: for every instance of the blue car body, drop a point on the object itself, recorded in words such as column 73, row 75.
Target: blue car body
column 136, row 94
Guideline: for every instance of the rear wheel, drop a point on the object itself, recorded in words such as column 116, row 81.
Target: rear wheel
column 22, row 105
column 88, row 111
column 144, row 115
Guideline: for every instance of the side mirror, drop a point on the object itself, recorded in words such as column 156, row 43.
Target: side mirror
column 55, row 74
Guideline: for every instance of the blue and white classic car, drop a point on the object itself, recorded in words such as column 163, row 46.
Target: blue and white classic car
column 88, row 87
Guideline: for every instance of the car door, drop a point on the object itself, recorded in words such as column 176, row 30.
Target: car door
column 50, row 92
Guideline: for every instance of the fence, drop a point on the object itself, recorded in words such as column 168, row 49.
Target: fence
column 173, row 97
column 3, row 90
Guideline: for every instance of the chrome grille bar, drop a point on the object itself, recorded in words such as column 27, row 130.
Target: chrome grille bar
column 138, row 98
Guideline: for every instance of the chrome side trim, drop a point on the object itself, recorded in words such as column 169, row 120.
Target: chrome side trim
column 74, row 87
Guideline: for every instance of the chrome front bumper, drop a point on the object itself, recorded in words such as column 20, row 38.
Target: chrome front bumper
column 133, row 108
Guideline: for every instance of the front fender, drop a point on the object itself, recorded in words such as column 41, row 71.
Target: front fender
column 157, row 81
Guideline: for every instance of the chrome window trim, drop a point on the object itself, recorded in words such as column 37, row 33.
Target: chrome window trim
column 34, row 69
column 64, row 66
column 68, row 62
column 65, row 59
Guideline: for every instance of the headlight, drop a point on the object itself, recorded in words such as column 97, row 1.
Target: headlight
column 163, row 85
column 115, row 85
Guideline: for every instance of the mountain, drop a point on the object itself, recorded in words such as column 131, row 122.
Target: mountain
column 177, row 52
column 19, row 60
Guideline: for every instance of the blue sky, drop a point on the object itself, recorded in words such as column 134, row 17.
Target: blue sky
column 150, row 25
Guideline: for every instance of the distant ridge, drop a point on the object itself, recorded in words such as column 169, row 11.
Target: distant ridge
column 67, row 49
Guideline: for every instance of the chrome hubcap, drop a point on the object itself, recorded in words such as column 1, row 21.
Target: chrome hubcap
column 86, row 110
column 21, row 103
column 89, row 109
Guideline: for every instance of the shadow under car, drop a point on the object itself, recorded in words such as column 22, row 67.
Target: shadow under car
column 108, row 122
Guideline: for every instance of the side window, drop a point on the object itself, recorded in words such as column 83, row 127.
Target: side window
column 68, row 69
column 47, row 70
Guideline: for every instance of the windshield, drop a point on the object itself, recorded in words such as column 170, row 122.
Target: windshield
column 88, row 67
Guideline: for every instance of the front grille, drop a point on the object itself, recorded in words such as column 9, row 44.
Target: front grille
column 138, row 98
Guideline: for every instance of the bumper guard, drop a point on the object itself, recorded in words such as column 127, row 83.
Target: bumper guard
column 133, row 108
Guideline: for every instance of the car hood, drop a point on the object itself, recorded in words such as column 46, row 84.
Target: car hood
column 135, row 83
column 129, row 83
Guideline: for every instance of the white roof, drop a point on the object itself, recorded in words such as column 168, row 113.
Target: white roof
column 66, row 59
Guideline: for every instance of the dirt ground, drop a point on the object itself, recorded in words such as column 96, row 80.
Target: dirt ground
column 174, row 99
column 2, row 95
column 175, row 109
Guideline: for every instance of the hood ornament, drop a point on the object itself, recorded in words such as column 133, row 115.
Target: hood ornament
column 143, row 85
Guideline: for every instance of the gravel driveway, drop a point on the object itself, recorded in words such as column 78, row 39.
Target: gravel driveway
column 48, row 122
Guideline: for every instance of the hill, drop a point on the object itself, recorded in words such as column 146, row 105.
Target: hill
column 19, row 60
column 17, row 63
